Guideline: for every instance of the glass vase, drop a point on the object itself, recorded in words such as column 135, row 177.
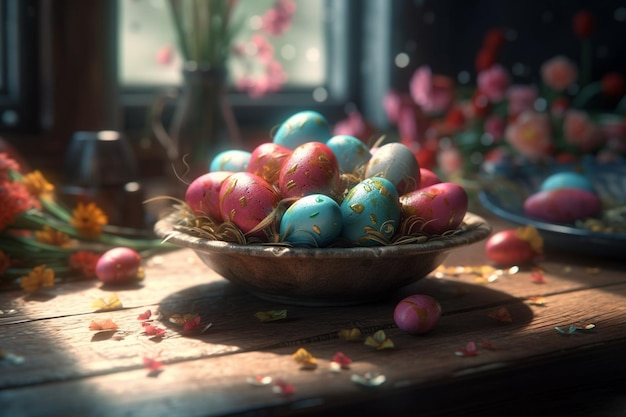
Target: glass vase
column 202, row 125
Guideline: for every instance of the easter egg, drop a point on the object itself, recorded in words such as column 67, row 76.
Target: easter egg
column 428, row 178
column 513, row 247
column 350, row 151
column 398, row 164
column 246, row 199
column 312, row 221
column 233, row 160
column 267, row 159
column 302, row 127
column 119, row 265
column 566, row 180
column 417, row 314
column 203, row 194
column 311, row 168
column 439, row 207
column 564, row 205
column 371, row 205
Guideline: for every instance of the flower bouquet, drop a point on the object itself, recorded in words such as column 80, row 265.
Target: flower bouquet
column 41, row 240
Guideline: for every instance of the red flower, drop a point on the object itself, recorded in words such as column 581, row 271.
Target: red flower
column 613, row 85
column 584, row 24
column 486, row 58
column 84, row 262
column 14, row 199
column 455, row 118
column 7, row 164
column 480, row 104
column 494, row 39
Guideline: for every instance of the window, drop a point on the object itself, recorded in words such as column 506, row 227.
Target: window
column 18, row 66
column 317, row 54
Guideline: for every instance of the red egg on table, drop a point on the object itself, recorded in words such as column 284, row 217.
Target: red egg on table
column 119, row 265
column 417, row 314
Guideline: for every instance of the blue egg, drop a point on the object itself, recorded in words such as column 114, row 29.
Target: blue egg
column 370, row 206
column 562, row 180
column 302, row 127
column 311, row 221
column 351, row 152
column 233, row 160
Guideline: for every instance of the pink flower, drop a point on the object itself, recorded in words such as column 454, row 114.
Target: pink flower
column 354, row 125
column 433, row 93
column 521, row 98
column 495, row 126
column 394, row 102
column 530, row 135
column 165, row 55
column 277, row 20
column 559, row 72
column 580, row 131
column 450, row 160
column 493, row 82
column 264, row 50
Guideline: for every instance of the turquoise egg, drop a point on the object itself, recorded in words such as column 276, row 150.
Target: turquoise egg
column 371, row 208
column 562, row 180
column 233, row 160
column 302, row 127
column 311, row 221
column 351, row 152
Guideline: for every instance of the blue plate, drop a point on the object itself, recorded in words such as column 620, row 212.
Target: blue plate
column 504, row 193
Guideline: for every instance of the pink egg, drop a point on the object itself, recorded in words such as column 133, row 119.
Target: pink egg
column 417, row 314
column 440, row 207
column 267, row 159
column 203, row 194
column 312, row 168
column 565, row 205
column 506, row 248
column 119, row 265
column 246, row 199
column 428, row 178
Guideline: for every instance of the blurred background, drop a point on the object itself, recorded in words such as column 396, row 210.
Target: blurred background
column 71, row 66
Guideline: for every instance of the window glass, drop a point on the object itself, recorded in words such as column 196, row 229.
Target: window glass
column 148, row 54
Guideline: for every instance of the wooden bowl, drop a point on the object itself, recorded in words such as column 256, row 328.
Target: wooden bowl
column 324, row 276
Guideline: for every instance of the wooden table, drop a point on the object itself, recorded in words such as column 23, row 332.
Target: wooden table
column 55, row 365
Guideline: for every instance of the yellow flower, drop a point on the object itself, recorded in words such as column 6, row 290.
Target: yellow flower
column 54, row 237
column 39, row 277
column 532, row 236
column 37, row 185
column 88, row 219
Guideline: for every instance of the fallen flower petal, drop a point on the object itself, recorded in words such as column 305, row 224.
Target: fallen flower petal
column 103, row 324
column 259, row 380
column 342, row 360
column 350, row 334
column 537, row 277
column 145, row 315
column 379, row 341
column 271, row 315
column 111, row 303
column 283, row 388
column 152, row 330
column 303, row 357
column 192, row 324
column 39, row 277
column 11, row 357
column 152, row 364
column 501, row 314
column 468, row 350
column 369, row 379
column 537, row 301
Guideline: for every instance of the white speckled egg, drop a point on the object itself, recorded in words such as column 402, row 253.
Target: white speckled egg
column 302, row 127
column 312, row 221
column 373, row 205
column 398, row 164
column 233, row 160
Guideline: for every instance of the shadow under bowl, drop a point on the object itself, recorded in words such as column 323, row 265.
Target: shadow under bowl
column 324, row 276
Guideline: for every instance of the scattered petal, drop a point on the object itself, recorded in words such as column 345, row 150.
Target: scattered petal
column 39, row 277
column 585, row 326
column 304, row 358
column 283, row 388
column 111, row 303
column 259, row 380
column 379, row 341
column 350, row 334
column 501, row 314
column 192, row 324
column 537, row 276
column 469, row 350
column 572, row 328
column 152, row 330
column 537, row 301
column 271, row 315
column 103, row 324
column 568, row 330
column 11, row 357
column 342, row 360
column 145, row 315
column 369, row 379
column 152, row 364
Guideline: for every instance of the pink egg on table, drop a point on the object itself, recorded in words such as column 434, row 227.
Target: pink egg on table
column 119, row 265
column 417, row 314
